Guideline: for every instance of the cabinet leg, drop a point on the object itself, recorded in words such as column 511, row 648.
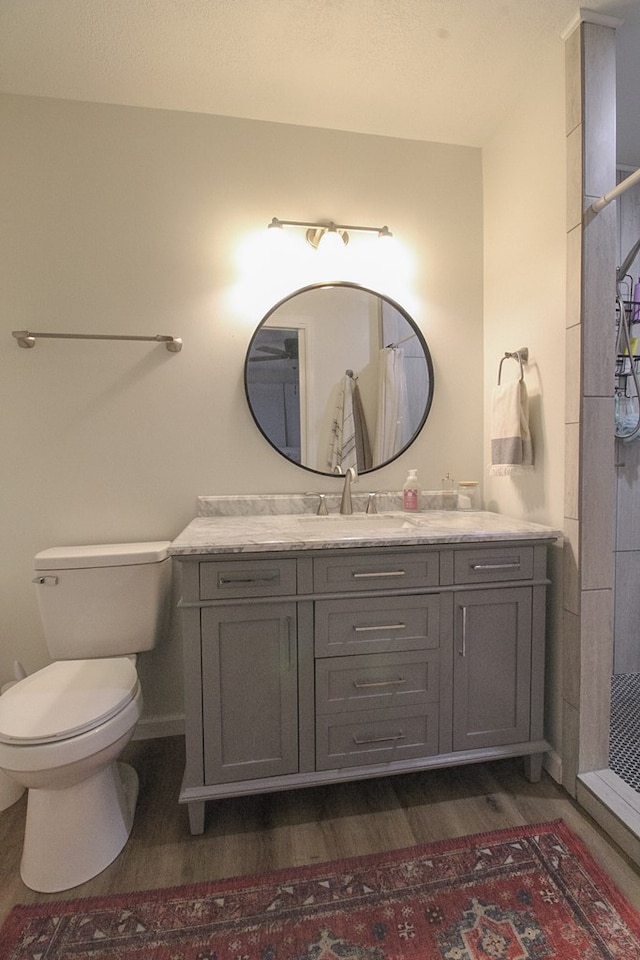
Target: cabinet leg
column 533, row 767
column 196, row 816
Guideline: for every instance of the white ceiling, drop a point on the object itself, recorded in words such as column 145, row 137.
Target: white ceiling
column 443, row 70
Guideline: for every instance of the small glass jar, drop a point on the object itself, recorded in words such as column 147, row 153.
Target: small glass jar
column 448, row 493
column 468, row 495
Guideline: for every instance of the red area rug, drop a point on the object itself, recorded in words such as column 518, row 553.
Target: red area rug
column 520, row 894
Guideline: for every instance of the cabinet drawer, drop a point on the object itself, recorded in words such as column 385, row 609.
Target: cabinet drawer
column 376, row 736
column 220, row 580
column 493, row 564
column 376, row 625
column 376, row 572
column 376, row 680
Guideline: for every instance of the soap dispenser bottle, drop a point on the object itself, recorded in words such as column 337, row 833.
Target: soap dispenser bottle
column 410, row 492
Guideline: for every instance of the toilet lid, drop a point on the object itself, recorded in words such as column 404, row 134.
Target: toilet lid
column 66, row 698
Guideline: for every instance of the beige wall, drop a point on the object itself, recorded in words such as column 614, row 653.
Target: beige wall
column 524, row 306
column 139, row 221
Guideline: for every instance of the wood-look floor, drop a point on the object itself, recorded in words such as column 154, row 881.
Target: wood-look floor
column 263, row 832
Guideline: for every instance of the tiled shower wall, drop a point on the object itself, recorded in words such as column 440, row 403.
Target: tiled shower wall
column 589, row 493
column 627, row 549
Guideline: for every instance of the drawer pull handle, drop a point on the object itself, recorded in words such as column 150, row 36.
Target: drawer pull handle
column 496, row 566
column 288, row 642
column 359, row 742
column 222, row 580
column 363, row 684
column 381, row 573
column 382, row 626
column 463, row 648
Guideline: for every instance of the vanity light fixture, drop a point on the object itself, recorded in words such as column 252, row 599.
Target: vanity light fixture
column 327, row 232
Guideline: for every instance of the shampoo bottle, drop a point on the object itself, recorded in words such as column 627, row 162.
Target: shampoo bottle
column 410, row 493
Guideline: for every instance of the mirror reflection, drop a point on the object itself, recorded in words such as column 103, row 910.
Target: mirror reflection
column 336, row 376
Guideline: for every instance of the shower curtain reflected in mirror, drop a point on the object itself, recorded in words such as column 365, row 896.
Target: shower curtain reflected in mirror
column 392, row 425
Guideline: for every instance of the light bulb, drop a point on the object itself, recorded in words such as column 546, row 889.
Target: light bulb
column 275, row 232
column 331, row 241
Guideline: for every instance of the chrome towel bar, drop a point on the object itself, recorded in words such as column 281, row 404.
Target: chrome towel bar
column 27, row 338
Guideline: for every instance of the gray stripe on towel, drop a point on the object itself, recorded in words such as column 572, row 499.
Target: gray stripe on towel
column 507, row 450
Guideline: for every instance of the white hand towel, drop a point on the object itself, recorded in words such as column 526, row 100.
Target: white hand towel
column 511, row 448
column 342, row 448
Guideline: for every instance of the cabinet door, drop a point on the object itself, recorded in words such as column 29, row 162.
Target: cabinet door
column 250, row 700
column 492, row 667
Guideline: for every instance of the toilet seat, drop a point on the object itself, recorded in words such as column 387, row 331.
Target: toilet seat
column 65, row 699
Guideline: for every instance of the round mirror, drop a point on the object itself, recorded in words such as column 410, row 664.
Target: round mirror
column 338, row 376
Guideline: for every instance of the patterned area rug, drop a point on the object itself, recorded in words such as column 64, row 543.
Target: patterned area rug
column 518, row 894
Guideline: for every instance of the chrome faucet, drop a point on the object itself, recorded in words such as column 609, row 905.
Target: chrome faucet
column 351, row 476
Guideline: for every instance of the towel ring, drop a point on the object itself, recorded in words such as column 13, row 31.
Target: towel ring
column 521, row 355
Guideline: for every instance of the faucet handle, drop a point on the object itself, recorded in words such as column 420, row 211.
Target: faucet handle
column 322, row 506
column 372, row 504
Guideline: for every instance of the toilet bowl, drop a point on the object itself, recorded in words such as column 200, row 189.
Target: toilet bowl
column 61, row 731
column 63, row 728
column 10, row 791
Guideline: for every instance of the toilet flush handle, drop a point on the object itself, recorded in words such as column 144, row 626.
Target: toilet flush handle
column 45, row 581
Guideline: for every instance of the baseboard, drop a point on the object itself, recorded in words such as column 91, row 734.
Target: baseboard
column 552, row 763
column 149, row 728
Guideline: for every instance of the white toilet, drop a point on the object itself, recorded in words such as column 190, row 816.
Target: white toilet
column 63, row 727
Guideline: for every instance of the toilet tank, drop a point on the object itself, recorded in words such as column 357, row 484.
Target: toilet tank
column 105, row 600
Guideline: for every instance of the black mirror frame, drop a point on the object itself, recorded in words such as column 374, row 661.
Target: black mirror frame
column 407, row 318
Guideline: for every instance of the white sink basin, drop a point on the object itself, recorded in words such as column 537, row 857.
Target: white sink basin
column 357, row 525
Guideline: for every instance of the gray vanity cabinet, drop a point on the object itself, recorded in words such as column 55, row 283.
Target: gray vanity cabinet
column 323, row 665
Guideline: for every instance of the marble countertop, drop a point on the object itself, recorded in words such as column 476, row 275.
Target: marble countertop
column 261, row 533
